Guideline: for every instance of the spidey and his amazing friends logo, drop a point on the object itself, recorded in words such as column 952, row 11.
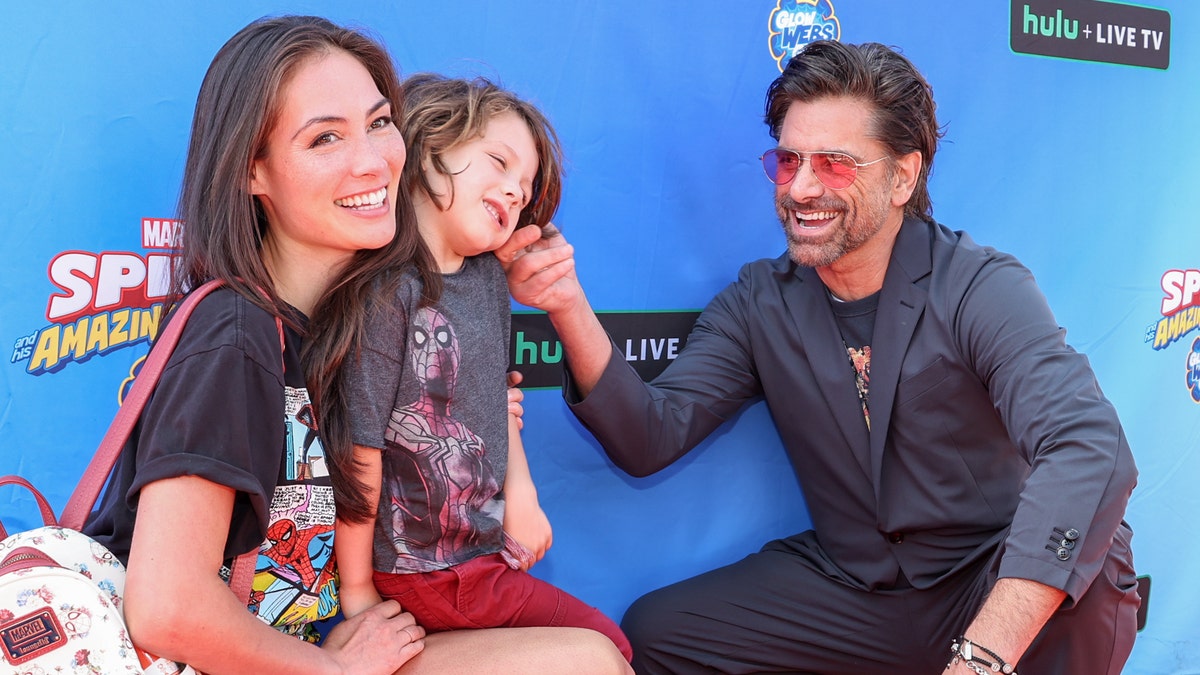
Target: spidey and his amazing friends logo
column 1180, row 316
column 102, row 302
column 795, row 23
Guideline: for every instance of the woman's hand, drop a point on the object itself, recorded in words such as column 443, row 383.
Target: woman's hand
column 382, row 634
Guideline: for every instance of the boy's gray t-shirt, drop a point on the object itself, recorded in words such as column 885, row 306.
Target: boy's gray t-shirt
column 430, row 392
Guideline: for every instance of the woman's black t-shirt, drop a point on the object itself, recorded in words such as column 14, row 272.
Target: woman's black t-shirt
column 230, row 408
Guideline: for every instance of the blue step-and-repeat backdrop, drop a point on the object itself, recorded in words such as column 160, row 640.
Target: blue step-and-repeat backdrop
column 1071, row 141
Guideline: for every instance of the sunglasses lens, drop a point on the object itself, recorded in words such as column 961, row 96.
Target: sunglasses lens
column 834, row 169
column 780, row 165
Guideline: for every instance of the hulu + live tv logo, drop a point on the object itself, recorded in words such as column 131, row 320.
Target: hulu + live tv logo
column 1090, row 30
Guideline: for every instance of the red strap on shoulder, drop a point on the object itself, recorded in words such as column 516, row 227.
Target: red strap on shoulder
column 79, row 506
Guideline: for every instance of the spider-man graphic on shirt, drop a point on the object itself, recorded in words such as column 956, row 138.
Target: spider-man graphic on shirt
column 294, row 578
column 439, row 486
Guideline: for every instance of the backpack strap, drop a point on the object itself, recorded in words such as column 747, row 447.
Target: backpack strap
column 43, row 504
column 79, row 506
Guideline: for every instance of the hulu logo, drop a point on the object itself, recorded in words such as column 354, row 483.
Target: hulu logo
column 1050, row 26
column 527, row 351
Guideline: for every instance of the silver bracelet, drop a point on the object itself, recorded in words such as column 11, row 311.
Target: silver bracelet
column 970, row 664
column 964, row 650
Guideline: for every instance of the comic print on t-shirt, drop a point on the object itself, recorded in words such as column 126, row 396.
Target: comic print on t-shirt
column 294, row 583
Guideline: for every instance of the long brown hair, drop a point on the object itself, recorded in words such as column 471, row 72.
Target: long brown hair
column 224, row 224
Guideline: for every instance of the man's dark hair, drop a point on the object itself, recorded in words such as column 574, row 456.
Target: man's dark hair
column 903, row 110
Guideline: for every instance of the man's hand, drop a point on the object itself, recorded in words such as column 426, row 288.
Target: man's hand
column 1011, row 617
column 540, row 266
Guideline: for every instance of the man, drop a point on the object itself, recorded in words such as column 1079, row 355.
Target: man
column 965, row 476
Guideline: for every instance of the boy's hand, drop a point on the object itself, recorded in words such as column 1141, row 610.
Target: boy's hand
column 526, row 522
column 515, row 396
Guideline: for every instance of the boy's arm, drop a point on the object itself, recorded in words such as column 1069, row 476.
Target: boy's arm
column 524, row 519
column 352, row 543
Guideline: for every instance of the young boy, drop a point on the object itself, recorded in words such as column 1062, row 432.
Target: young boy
column 458, row 523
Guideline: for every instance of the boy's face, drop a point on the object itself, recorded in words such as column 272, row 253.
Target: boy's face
column 492, row 178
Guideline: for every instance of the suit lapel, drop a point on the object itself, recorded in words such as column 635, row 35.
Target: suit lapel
column 813, row 321
column 900, row 306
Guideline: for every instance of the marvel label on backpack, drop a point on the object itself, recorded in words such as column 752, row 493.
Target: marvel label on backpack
column 28, row 636
column 60, row 605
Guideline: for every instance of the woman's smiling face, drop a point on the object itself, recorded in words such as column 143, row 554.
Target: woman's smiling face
column 329, row 176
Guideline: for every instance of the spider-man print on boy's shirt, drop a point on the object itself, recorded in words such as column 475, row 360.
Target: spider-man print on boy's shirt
column 440, row 488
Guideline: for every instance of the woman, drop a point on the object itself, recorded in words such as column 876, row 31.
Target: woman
column 291, row 197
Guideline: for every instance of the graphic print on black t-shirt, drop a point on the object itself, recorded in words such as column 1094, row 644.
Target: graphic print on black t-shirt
column 860, row 360
column 294, row 578
column 856, row 322
column 441, row 484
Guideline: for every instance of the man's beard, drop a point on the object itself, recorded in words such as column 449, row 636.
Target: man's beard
column 854, row 229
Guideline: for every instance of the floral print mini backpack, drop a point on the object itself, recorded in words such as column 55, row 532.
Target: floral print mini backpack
column 60, row 591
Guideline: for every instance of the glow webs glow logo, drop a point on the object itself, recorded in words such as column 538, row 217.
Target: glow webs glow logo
column 1181, row 315
column 795, row 23
column 102, row 302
